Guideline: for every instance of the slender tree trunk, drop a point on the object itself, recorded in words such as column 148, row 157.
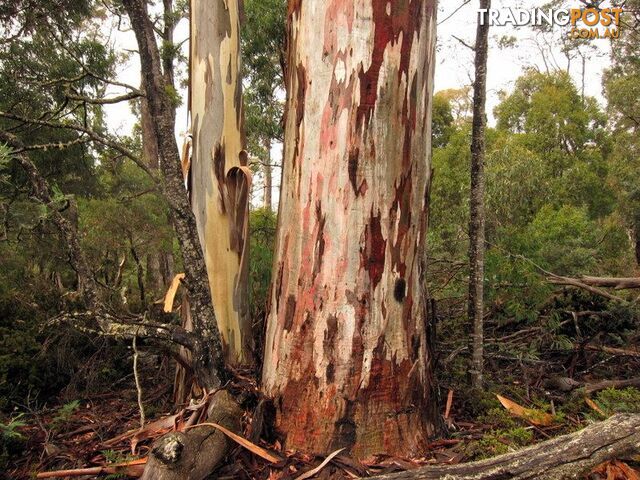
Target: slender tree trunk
column 636, row 237
column 268, row 177
column 477, row 215
column 219, row 177
column 347, row 360
column 207, row 352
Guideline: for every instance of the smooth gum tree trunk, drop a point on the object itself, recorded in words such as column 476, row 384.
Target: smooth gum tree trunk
column 347, row 358
column 219, row 182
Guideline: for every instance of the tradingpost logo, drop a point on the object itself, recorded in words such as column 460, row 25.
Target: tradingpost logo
column 587, row 23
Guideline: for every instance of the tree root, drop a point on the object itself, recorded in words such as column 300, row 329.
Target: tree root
column 194, row 454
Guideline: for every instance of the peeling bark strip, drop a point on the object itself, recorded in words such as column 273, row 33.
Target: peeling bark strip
column 219, row 197
column 347, row 359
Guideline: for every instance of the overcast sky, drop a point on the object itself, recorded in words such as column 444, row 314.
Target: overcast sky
column 454, row 69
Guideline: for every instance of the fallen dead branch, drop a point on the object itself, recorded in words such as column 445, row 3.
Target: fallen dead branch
column 596, row 387
column 130, row 469
column 614, row 351
column 612, row 282
column 565, row 457
column 572, row 282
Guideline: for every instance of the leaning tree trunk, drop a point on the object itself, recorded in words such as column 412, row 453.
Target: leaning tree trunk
column 219, row 181
column 347, row 359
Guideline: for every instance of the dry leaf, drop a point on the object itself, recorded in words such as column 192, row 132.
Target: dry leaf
column 155, row 429
column 311, row 473
column 594, row 406
column 261, row 452
column 447, row 410
column 616, row 470
column 535, row 417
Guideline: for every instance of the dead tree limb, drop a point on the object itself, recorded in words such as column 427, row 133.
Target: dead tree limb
column 562, row 458
column 596, row 387
column 612, row 282
column 572, row 282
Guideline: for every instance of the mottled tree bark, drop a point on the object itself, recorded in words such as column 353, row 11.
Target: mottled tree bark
column 477, row 215
column 347, row 360
column 219, row 183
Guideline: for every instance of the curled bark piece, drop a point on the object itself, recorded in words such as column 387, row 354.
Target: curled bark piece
column 562, row 458
column 193, row 455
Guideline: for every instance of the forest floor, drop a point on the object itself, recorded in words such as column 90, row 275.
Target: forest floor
column 527, row 400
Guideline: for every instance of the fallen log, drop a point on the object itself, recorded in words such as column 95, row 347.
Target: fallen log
column 562, row 458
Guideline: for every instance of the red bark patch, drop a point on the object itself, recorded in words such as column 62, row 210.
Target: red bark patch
column 328, row 345
column 400, row 214
column 354, row 156
column 301, row 74
column 404, row 17
column 373, row 256
column 289, row 312
column 320, row 241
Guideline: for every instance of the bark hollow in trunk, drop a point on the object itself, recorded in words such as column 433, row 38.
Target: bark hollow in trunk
column 347, row 359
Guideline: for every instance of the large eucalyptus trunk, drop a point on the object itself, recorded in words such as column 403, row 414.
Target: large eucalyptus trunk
column 347, row 358
column 219, row 181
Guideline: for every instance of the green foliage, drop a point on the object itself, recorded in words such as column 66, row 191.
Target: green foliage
column 262, row 244
column 499, row 442
column 64, row 414
column 263, row 55
column 559, row 198
column 11, row 440
column 442, row 121
column 626, row 400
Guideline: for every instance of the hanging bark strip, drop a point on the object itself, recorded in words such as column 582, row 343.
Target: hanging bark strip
column 347, row 359
column 219, row 185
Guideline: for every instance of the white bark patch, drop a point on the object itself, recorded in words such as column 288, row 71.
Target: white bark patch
column 340, row 71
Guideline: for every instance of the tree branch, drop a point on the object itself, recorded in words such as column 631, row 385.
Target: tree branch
column 96, row 137
column 106, row 324
column 106, row 101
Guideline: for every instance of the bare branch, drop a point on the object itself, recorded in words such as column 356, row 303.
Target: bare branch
column 572, row 282
column 106, row 324
column 464, row 43
column 106, row 101
column 465, row 2
column 96, row 137
column 53, row 146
